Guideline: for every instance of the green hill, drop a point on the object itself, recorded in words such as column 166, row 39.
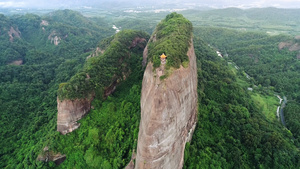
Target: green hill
column 28, row 91
column 172, row 37
column 235, row 129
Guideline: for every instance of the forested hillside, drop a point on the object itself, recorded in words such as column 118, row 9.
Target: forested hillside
column 43, row 57
column 31, row 68
column 114, row 65
column 260, row 55
column 109, row 132
column 272, row 61
column 232, row 132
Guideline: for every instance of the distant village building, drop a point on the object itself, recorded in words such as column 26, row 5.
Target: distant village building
column 163, row 58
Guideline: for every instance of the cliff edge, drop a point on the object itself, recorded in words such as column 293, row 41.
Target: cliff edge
column 168, row 114
column 101, row 75
column 69, row 112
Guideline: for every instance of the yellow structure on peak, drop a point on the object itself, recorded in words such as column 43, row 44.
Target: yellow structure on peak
column 163, row 56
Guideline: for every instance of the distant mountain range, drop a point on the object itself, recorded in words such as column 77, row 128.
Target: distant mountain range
column 155, row 3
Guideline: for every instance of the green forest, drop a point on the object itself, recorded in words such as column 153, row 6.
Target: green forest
column 272, row 68
column 48, row 56
column 28, row 91
column 117, row 61
column 171, row 37
column 237, row 133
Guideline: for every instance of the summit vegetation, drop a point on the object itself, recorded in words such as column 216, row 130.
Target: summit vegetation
column 101, row 71
column 171, row 37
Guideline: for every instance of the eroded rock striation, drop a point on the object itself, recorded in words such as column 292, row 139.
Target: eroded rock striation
column 69, row 112
column 168, row 115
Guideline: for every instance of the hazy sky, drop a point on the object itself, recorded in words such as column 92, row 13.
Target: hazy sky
column 210, row 3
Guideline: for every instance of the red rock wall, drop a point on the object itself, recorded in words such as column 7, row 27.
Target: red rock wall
column 69, row 112
column 168, row 115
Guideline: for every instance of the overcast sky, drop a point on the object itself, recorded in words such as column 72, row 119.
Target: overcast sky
column 210, row 3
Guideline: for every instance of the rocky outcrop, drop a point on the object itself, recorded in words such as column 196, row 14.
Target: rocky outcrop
column 145, row 53
column 290, row 45
column 131, row 163
column 70, row 109
column 69, row 112
column 16, row 62
column 47, row 156
column 136, row 41
column 294, row 47
column 168, row 115
column 13, row 33
column 96, row 53
column 54, row 38
column 44, row 23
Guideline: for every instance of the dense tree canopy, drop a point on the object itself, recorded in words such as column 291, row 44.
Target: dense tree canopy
column 101, row 71
column 232, row 131
column 28, row 91
column 172, row 37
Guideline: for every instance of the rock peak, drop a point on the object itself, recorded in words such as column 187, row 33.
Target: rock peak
column 168, row 115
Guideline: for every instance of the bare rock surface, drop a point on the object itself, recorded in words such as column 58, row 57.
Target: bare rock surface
column 54, row 38
column 168, row 115
column 290, row 45
column 47, row 156
column 69, row 112
column 295, row 47
column 44, row 23
column 13, row 33
column 17, row 62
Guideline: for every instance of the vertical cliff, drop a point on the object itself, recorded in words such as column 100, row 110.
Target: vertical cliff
column 69, row 112
column 168, row 112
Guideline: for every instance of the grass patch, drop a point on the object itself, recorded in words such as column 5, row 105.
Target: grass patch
column 267, row 104
column 185, row 64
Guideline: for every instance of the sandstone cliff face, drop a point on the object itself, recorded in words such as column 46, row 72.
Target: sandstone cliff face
column 69, row 112
column 13, row 33
column 168, row 115
column 54, row 38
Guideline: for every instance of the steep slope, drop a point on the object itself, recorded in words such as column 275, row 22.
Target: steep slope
column 168, row 100
column 233, row 131
column 109, row 132
column 31, row 69
column 99, row 78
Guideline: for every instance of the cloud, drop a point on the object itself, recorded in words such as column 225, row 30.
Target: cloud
column 216, row 3
column 272, row 3
column 9, row 4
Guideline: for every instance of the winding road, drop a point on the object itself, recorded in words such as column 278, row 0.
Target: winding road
column 281, row 114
